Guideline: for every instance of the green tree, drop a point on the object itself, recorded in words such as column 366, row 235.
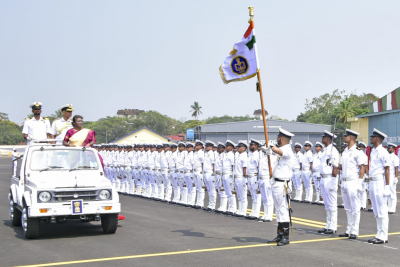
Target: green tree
column 196, row 111
column 274, row 117
column 344, row 110
column 325, row 108
column 10, row 132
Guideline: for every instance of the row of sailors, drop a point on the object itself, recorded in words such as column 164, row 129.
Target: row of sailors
column 154, row 168
column 306, row 170
column 185, row 169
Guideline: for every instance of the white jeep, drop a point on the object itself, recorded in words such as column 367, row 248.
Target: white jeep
column 55, row 183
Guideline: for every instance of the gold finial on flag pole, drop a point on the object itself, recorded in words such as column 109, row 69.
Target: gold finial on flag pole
column 251, row 13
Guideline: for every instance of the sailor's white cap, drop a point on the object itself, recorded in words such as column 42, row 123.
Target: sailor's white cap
column 36, row 105
column 210, row 143
column 378, row 133
column 67, row 107
column 298, row 145
column 328, row 134
column 255, row 142
column 351, row 132
column 229, row 143
column 199, row 143
column 308, row 143
column 361, row 143
column 285, row 133
column 392, row 145
column 242, row 143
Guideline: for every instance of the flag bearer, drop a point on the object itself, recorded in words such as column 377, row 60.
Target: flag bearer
column 281, row 175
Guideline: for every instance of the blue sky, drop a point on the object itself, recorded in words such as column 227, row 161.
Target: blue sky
column 102, row 56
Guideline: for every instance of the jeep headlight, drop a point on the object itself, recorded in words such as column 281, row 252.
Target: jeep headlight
column 44, row 196
column 104, row 194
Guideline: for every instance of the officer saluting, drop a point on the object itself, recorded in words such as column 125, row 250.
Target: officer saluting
column 37, row 128
column 281, row 176
column 379, row 187
column 61, row 125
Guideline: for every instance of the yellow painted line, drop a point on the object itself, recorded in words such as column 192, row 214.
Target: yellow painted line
column 188, row 251
column 303, row 221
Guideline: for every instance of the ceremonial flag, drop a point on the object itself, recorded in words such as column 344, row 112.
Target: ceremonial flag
column 242, row 62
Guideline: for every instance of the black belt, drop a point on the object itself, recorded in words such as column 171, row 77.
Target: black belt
column 280, row 180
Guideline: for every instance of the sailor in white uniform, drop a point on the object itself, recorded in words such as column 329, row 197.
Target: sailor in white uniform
column 61, row 125
column 280, row 190
column 188, row 166
column 363, row 194
column 180, row 159
column 379, row 186
column 252, row 175
column 198, row 157
column 329, row 182
column 14, row 156
column 352, row 167
column 297, row 168
column 36, row 128
column 209, row 175
column 228, row 180
column 173, row 173
column 315, row 173
column 394, row 172
column 240, row 172
column 219, row 158
column 307, row 165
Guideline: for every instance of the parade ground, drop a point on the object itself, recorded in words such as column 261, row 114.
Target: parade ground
column 160, row 234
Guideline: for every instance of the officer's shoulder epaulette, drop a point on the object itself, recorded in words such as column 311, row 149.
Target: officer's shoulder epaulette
column 46, row 118
column 27, row 119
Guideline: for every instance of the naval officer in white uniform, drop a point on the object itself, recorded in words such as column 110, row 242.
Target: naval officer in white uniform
column 61, row 125
column 36, row 128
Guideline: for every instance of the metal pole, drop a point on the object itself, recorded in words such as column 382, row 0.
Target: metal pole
column 251, row 14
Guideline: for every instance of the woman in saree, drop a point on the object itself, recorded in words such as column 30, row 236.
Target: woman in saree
column 79, row 136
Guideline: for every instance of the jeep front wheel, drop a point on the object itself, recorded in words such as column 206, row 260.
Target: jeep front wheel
column 109, row 223
column 30, row 225
column 15, row 214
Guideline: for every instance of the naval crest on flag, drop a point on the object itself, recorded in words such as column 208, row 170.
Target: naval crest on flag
column 242, row 62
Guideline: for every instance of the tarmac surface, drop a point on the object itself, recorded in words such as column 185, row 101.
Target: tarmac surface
column 162, row 234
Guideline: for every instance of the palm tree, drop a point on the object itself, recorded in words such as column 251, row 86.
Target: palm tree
column 196, row 111
column 344, row 110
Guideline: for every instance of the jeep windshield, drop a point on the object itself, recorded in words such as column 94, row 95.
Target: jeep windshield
column 63, row 159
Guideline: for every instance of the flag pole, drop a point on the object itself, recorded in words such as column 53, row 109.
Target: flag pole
column 251, row 13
